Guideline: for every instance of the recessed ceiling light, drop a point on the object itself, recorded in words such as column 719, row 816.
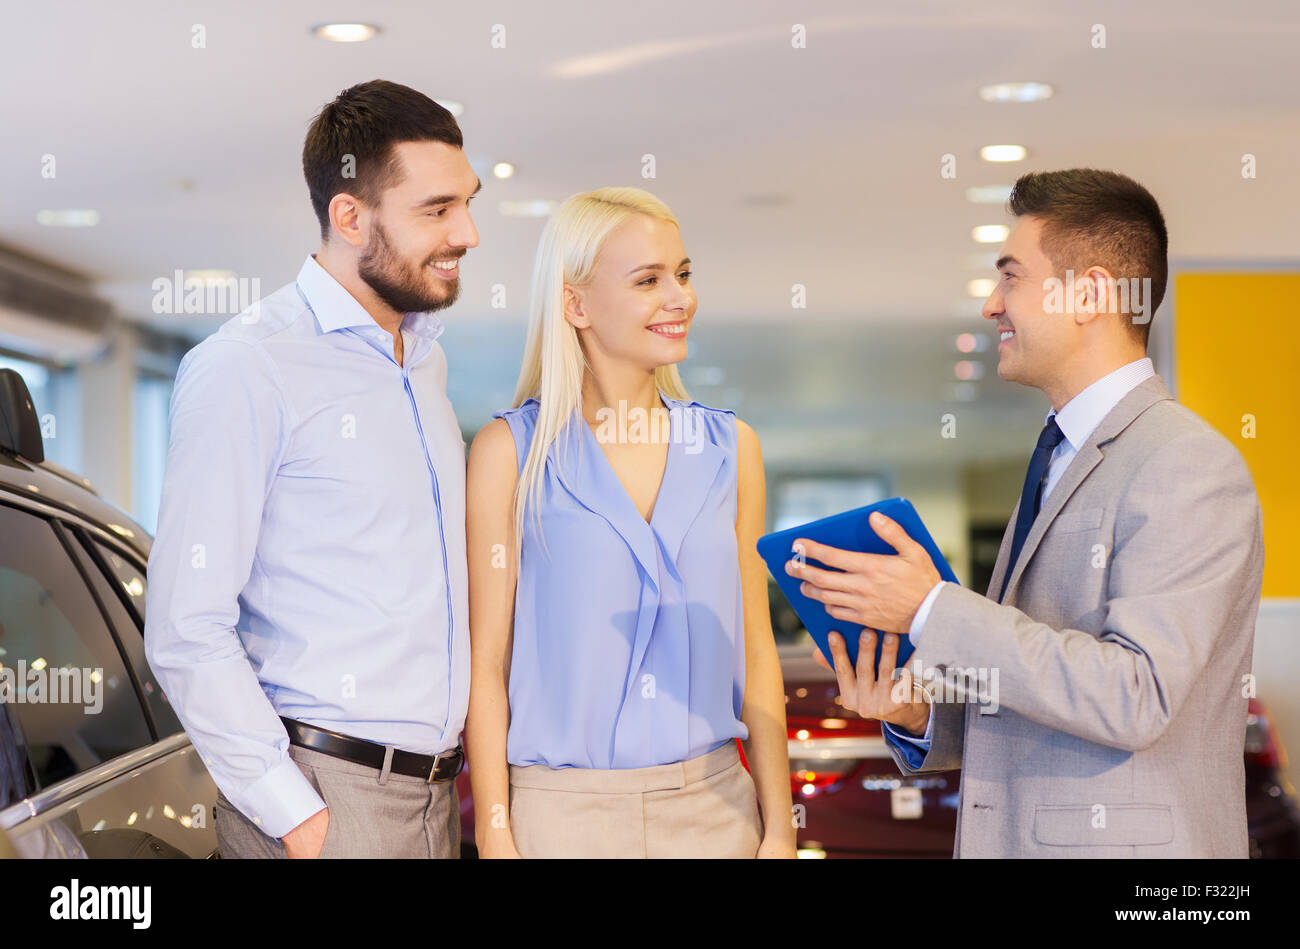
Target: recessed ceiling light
column 1003, row 152
column 69, row 217
column 988, row 194
column 452, row 106
column 990, row 233
column 1016, row 92
column 503, row 169
column 537, row 208
column 345, row 32
column 210, row 278
column 981, row 286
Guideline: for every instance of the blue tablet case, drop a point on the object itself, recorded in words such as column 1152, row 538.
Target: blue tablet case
column 848, row 531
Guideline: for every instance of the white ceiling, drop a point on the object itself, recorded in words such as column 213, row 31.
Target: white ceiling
column 817, row 166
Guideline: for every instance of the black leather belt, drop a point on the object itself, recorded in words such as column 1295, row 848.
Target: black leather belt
column 433, row 768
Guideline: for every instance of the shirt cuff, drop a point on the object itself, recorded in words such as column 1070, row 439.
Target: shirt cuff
column 914, row 750
column 921, row 742
column 280, row 800
column 922, row 613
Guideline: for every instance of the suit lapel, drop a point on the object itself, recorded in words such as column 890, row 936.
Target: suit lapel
column 1081, row 466
column 1137, row 401
column 1004, row 554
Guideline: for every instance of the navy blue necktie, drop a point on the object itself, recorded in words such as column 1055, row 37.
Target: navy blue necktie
column 1031, row 496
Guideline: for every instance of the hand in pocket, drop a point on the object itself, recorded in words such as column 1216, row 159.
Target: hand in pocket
column 307, row 840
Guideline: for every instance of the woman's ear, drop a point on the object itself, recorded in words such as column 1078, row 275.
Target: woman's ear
column 573, row 308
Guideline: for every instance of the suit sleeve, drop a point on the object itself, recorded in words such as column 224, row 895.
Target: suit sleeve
column 910, row 752
column 1188, row 557
column 941, row 747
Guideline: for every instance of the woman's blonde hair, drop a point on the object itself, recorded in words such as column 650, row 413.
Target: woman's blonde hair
column 554, row 362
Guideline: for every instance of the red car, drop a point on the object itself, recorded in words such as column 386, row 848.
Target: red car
column 852, row 801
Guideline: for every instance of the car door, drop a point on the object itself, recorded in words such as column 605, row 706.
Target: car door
column 92, row 762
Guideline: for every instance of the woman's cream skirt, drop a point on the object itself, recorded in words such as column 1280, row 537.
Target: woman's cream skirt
column 704, row 807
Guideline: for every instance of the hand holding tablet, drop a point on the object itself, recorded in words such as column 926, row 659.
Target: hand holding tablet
column 840, row 541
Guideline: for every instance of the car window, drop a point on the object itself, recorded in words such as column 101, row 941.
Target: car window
column 17, row 779
column 129, row 629
column 61, row 676
column 129, row 576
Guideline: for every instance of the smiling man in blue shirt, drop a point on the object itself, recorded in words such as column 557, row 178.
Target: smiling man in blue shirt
column 308, row 601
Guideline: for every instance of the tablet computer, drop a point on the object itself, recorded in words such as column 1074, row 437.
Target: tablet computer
column 848, row 531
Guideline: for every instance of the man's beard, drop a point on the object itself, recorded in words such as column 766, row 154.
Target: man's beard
column 391, row 279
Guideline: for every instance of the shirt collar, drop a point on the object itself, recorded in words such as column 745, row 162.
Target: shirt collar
column 1080, row 416
column 335, row 308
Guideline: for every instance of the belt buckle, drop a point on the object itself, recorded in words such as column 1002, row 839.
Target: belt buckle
column 437, row 760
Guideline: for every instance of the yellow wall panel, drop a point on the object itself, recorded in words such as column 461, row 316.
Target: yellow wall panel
column 1237, row 354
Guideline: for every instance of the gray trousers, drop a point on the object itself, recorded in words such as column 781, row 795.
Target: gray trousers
column 372, row 814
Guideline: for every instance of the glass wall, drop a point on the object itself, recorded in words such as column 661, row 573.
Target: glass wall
column 56, row 394
column 798, row 500
column 152, row 397
column 129, row 444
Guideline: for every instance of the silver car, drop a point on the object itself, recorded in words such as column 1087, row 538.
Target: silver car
column 93, row 761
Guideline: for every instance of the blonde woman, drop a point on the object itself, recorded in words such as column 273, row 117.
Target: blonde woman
column 619, row 626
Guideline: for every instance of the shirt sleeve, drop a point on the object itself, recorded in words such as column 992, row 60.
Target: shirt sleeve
column 229, row 424
column 914, row 749
column 922, row 612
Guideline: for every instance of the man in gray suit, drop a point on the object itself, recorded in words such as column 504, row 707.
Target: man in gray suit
column 1096, row 698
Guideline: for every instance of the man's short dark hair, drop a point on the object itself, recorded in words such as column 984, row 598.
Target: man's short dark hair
column 365, row 122
column 1093, row 217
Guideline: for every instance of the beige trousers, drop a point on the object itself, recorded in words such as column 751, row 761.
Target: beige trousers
column 704, row 807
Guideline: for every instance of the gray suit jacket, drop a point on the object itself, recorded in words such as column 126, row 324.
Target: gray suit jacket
column 1118, row 660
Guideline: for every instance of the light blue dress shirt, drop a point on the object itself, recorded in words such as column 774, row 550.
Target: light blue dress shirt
column 629, row 645
column 310, row 557
column 1078, row 419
